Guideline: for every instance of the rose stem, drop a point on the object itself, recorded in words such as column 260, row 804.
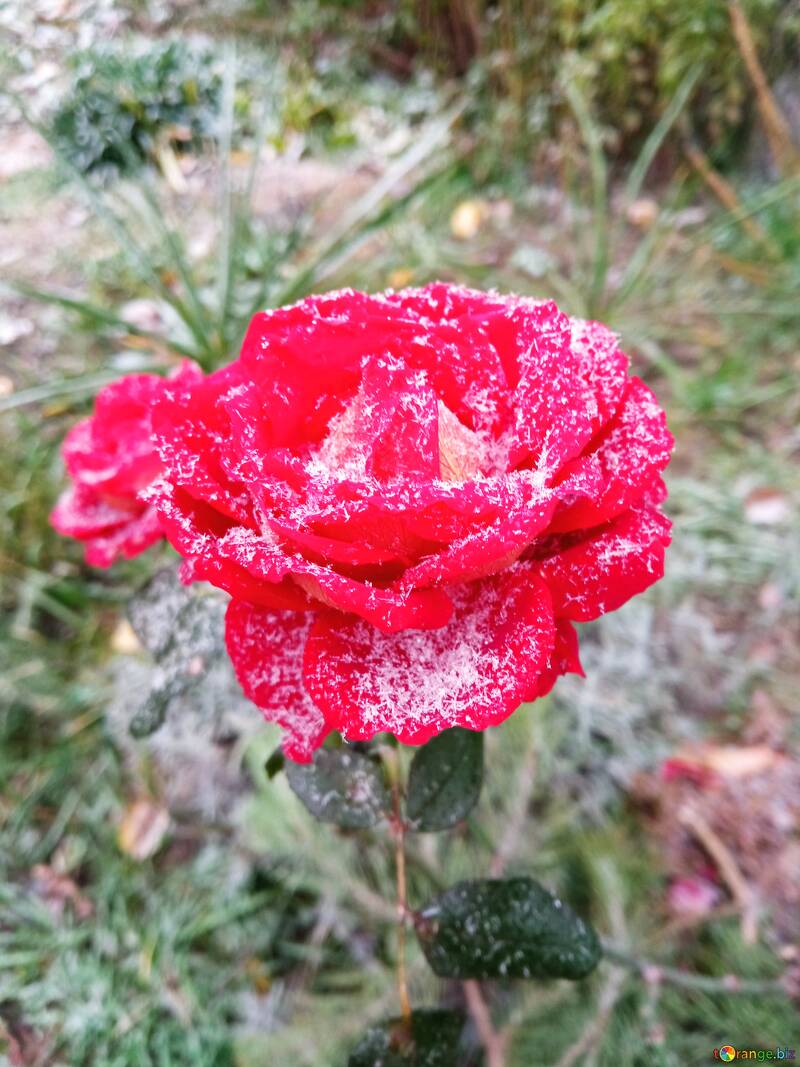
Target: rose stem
column 399, row 833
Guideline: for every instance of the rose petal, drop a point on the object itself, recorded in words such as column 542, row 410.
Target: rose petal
column 632, row 451
column 564, row 659
column 473, row 672
column 602, row 572
column 80, row 513
column 222, row 553
column 190, row 429
column 126, row 542
column 266, row 649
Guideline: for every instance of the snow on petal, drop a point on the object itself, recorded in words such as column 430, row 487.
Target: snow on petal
column 266, row 649
column 632, row 451
column 612, row 564
column 473, row 672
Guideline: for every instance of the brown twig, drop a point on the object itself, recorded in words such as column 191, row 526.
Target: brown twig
column 494, row 1042
column 655, row 973
column 399, row 833
column 598, row 1024
column 728, row 868
column 776, row 128
column 518, row 814
column 726, row 194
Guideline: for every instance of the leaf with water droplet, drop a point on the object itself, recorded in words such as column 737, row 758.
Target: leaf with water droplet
column 505, row 928
column 341, row 786
column 431, row 1039
column 445, row 779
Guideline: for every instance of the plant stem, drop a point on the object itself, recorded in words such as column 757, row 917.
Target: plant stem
column 493, row 1041
column 727, row 983
column 399, row 833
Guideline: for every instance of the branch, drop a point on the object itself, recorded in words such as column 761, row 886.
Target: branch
column 494, row 1043
column 399, row 833
column 598, row 1024
column 741, row 892
column 654, row 973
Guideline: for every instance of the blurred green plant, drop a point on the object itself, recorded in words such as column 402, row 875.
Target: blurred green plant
column 208, row 306
column 125, row 106
column 631, row 57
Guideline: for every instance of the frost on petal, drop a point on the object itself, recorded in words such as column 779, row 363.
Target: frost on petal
column 233, row 557
column 608, row 567
column 632, row 451
column 553, row 406
column 266, row 649
column 110, row 531
column 452, row 344
column 473, row 672
column 602, row 366
column 388, row 430
column 126, row 542
column 190, row 429
column 82, row 514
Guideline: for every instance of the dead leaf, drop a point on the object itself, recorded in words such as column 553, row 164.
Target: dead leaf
column 56, row 891
column 642, row 213
column 400, row 278
column 143, row 828
column 740, row 761
column 124, row 639
column 766, row 506
column 25, row 1046
column 467, row 218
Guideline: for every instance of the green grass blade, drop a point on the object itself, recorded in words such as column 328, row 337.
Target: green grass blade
column 367, row 211
column 78, row 386
column 227, row 242
column 599, row 178
column 96, row 313
column 656, row 138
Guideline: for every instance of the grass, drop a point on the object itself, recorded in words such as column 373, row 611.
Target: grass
column 266, row 938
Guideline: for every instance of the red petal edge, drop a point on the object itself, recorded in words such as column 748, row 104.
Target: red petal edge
column 602, row 573
column 266, row 649
column 473, row 672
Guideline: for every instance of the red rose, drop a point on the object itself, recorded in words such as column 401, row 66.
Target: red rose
column 411, row 497
column 111, row 458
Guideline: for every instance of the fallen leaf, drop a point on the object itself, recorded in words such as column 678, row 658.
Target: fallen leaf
column 57, row 890
column 642, row 213
column 142, row 829
column 766, row 506
column 400, row 278
column 467, row 219
column 740, row 761
column 124, row 639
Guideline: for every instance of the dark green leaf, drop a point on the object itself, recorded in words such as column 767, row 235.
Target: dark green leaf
column 432, row 1040
column 512, row 928
column 275, row 763
column 445, row 780
column 341, row 786
column 183, row 632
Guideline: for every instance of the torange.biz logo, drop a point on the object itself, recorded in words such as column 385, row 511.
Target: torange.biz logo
column 727, row 1053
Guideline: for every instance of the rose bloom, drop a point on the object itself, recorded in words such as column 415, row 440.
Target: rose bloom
column 411, row 498
column 111, row 458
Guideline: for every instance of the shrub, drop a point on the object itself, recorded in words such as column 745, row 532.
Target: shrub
column 121, row 105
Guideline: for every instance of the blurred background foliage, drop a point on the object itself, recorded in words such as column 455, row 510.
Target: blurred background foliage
column 170, row 168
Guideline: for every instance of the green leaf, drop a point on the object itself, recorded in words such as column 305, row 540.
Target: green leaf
column 341, row 786
column 445, row 780
column 275, row 763
column 431, row 1040
column 512, row 928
